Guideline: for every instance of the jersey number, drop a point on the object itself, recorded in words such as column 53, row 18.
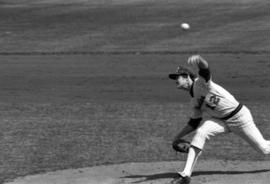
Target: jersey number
column 214, row 100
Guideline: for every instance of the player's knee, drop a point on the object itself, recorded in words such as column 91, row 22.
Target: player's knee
column 265, row 150
column 200, row 132
column 201, row 136
column 199, row 139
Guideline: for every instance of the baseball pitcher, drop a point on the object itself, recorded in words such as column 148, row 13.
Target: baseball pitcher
column 227, row 115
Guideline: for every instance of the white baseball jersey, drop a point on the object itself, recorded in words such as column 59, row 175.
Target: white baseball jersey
column 211, row 98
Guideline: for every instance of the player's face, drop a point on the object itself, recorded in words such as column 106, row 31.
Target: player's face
column 183, row 82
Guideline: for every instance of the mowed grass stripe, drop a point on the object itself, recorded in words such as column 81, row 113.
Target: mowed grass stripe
column 55, row 26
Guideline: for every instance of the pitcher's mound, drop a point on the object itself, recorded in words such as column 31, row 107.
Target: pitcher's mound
column 214, row 172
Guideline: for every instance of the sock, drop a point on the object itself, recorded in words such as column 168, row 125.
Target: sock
column 192, row 157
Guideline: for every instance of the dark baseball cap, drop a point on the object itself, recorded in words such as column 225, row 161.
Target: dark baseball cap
column 181, row 70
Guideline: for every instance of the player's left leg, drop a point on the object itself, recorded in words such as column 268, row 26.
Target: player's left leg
column 209, row 128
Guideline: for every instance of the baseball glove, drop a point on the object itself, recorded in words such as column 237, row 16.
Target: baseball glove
column 181, row 145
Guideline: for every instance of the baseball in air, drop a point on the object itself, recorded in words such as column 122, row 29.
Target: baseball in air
column 185, row 26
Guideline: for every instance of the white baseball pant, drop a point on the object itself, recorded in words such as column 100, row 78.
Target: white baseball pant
column 241, row 124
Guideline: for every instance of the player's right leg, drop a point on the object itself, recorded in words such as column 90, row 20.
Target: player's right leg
column 253, row 136
column 245, row 127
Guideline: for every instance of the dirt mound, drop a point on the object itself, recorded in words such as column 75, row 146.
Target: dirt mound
column 217, row 171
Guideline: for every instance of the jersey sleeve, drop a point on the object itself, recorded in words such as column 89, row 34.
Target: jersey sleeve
column 205, row 73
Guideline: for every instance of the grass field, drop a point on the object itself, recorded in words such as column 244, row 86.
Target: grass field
column 75, row 111
column 63, row 110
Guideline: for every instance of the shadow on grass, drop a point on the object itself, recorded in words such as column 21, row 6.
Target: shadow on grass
column 196, row 173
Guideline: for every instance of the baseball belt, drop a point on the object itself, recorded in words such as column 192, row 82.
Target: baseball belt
column 235, row 111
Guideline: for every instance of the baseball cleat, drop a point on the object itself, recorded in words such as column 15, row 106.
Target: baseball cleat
column 181, row 179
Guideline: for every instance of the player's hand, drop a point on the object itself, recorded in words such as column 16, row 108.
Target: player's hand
column 194, row 60
column 181, row 145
